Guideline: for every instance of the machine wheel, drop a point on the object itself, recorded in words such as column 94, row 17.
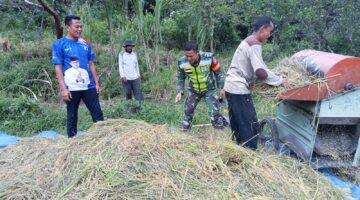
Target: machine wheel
column 268, row 136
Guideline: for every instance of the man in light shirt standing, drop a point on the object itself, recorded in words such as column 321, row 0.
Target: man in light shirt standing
column 247, row 64
column 130, row 72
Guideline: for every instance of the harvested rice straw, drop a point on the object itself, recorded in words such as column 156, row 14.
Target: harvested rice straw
column 296, row 74
column 128, row 159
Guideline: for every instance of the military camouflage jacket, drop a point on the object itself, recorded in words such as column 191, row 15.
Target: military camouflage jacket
column 201, row 77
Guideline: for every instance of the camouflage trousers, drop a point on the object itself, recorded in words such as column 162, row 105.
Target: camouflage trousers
column 213, row 104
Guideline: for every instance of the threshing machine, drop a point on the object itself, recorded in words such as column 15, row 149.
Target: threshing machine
column 320, row 122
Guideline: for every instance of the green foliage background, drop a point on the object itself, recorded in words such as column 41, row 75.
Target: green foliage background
column 29, row 99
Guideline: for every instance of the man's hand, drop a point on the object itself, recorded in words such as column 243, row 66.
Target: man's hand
column 178, row 97
column 123, row 79
column 98, row 89
column 222, row 94
column 285, row 83
column 66, row 95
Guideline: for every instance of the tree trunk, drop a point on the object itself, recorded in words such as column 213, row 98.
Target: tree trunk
column 52, row 12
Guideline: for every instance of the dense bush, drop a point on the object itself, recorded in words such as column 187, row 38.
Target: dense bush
column 159, row 31
column 324, row 25
column 25, row 117
column 27, row 70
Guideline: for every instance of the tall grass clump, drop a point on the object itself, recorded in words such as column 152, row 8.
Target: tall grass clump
column 27, row 70
column 24, row 116
column 156, row 112
column 162, row 85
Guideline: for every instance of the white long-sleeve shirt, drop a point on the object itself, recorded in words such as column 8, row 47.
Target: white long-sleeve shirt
column 128, row 65
column 246, row 60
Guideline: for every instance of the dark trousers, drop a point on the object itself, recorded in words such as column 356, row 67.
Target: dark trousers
column 91, row 100
column 133, row 86
column 213, row 104
column 243, row 121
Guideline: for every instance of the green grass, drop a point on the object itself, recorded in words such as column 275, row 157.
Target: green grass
column 26, row 117
column 264, row 106
column 29, row 100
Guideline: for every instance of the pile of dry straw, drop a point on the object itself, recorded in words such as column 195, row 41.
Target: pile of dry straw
column 297, row 76
column 127, row 159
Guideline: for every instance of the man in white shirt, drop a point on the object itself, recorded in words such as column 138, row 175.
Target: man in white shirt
column 247, row 64
column 130, row 72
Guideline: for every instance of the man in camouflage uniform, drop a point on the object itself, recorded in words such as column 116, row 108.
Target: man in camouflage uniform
column 202, row 69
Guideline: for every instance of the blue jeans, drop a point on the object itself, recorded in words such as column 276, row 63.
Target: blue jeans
column 91, row 100
column 243, row 121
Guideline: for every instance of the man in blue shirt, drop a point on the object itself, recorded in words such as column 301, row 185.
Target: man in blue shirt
column 74, row 58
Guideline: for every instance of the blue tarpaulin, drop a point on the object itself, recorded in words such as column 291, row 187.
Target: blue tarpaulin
column 79, row 133
column 54, row 135
column 6, row 140
column 49, row 134
column 331, row 177
column 337, row 182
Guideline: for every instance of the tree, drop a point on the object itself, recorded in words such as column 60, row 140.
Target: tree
column 56, row 16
